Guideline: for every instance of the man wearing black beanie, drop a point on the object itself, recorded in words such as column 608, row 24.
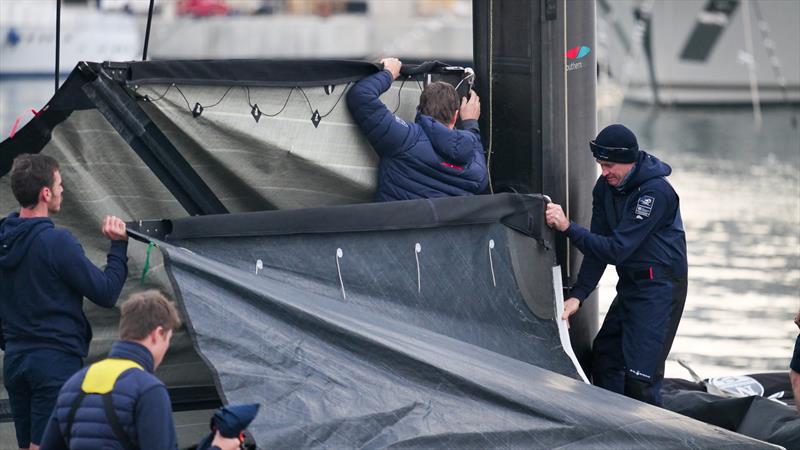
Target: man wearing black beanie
column 636, row 226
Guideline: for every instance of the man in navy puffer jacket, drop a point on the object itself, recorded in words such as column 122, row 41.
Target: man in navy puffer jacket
column 44, row 276
column 636, row 226
column 139, row 402
column 428, row 158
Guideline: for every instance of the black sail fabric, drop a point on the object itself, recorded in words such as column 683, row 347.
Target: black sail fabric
column 452, row 343
column 412, row 336
column 129, row 145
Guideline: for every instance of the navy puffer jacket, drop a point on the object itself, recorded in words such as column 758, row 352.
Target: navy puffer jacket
column 140, row 400
column 417, row 160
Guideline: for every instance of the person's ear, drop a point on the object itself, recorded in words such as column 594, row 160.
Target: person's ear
column 45, row 193
column 157, row 331
column 454, row 119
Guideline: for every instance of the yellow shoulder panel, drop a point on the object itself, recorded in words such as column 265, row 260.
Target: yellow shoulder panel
column 102, row 375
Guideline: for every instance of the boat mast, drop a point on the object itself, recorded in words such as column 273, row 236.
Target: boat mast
column 147, row 30
column 58, row 40
column 535, row 63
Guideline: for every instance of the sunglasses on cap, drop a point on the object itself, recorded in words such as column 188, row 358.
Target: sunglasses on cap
column 602, row 152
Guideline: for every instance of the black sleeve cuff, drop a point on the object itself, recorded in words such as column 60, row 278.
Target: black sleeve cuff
column 471, row 125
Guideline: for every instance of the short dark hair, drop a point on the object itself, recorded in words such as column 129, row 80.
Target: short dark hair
column 440, row 101
column 29, row 174
column 145, row 311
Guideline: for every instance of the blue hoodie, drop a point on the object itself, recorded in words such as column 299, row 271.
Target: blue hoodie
column 418, row 160
column 140, row 400
column 634, row 226
column 44, row 275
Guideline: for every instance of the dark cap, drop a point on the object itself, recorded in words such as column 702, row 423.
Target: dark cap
column 615, row 143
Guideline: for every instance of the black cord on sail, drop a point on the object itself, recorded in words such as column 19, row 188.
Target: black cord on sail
column 147, row 30
column 58, row 38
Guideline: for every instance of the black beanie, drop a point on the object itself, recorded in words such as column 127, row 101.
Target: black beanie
column 615, row 143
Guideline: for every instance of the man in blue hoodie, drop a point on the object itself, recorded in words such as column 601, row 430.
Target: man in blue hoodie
column 44, row 276
column 636, row 226
column 428, row 158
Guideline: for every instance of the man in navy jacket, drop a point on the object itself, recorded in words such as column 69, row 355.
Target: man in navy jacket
column 44, row 275
column 118, row 402
column 139, row 413
column 428, row 158
column 636, row 226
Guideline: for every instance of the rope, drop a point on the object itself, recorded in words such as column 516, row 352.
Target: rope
column 346, row 87
column 751, row 65
column 402, row 83
column 310, row 108
column 491, row 264
column 251, row 104
column 775, row 63
column 279, row 111
column 417, row 250
column 146, row 267
column 220, row 100
column 16, row 123
column 339, row 255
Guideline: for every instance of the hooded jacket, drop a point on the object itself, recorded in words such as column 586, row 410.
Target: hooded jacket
column 634, row 226
column 424, row 159
column 44, row 276
column 140, row 401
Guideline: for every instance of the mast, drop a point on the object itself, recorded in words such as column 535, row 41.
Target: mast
column 539, row 96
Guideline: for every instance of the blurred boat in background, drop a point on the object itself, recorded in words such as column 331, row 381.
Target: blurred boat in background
column 701, row 51
column 113, row 30
column 88, row 33
column 665, row 52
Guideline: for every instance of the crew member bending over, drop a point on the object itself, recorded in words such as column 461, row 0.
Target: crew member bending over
column 636, row 226
column 428, row 158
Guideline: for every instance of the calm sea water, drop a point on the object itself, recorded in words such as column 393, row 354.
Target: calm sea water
column 740, row 199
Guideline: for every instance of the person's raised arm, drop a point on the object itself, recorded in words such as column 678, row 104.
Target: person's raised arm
column 470, row 112
column 385, row 132
column 100, row 287
column 467, row 141
column 393, row 65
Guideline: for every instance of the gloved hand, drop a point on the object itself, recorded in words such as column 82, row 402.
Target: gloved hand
column 231, row 422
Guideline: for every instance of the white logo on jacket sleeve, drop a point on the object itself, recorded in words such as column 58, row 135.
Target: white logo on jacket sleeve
column 644, row 206
column 400, row 121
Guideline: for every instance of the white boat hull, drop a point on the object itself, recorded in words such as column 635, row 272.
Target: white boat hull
column 712, row 68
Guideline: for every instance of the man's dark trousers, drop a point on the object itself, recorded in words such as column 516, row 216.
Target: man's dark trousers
column 33, row 379
column 631, row 347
